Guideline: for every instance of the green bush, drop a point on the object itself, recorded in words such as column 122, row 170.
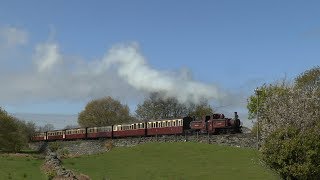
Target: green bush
column 293, row 154
column 54, row 146
column 14, row 134
column 63, row 153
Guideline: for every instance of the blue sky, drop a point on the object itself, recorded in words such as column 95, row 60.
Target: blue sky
column 48, row 48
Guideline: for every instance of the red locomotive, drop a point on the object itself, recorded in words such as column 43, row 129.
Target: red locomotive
column 212, row 124
column 216, row 124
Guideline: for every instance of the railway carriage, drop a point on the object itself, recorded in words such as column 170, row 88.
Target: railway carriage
column 77, row 133
column 39, row 137
column 99, row 132
column 174, row 126
column 56, row 135
column 129, row 130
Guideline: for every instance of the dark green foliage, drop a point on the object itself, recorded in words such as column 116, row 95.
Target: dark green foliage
column 14, row 134
column 104, row 112
column 293, row 154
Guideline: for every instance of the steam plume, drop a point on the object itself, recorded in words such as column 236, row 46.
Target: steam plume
column 133, row 68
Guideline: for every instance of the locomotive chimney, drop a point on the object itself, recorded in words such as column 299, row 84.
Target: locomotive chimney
column 236, row 115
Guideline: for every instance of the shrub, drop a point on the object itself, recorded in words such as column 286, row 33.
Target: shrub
column 293, row 154
column 54, row 146
column 14, row 134
column 51, row 174
column 63, row 153
column 109, row 145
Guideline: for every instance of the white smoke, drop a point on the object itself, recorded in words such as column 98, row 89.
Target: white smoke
column 123, row 73
column 134, row 69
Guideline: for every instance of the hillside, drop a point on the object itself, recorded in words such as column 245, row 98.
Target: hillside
column 173, row 161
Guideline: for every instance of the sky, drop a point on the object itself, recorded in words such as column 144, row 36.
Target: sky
column 56, row 56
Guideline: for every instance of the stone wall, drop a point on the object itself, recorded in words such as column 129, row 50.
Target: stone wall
column 82, row 147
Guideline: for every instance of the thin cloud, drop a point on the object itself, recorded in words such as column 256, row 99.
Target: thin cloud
column 46, row 56
column 12, row 36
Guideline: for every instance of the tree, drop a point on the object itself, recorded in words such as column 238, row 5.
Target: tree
column 309, row 80
column 159, row 107
column 201, row 109
column 290, row 124
column 71, row 126
column 265, row 92
column 14, row 134
column 46, row 127
column 104, row 112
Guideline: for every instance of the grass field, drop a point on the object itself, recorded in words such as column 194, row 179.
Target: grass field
column 20, row 167
column 173, row 161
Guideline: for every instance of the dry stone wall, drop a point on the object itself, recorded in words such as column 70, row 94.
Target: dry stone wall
column 87, row 147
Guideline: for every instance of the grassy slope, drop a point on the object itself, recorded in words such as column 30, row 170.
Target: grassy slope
column 173, row 161
column 12, row 167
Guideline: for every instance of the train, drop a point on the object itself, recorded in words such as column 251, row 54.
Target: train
column 211, row 124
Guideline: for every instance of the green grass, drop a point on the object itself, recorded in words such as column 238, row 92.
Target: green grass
column 18, row 168
column 173, row 161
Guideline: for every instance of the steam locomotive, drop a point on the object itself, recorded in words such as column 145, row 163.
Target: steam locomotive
column 212, row 124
